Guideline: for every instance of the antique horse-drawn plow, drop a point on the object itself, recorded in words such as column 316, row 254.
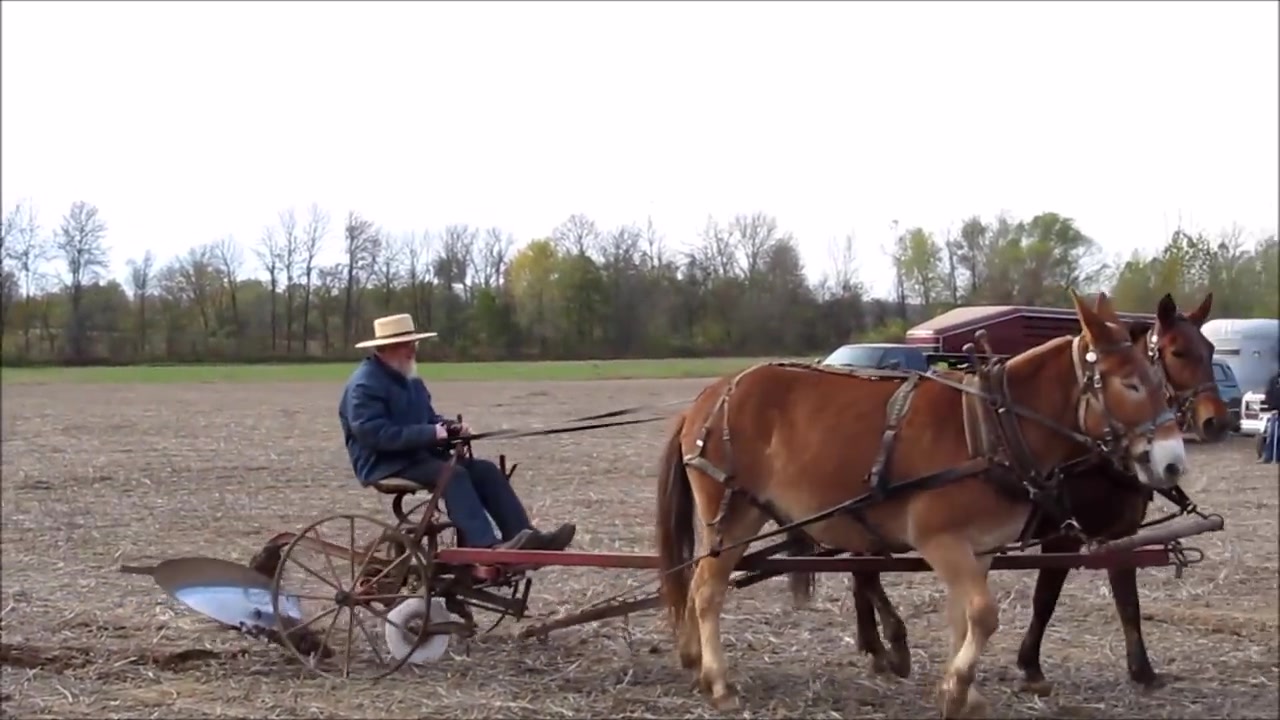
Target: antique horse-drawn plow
column 390, row 593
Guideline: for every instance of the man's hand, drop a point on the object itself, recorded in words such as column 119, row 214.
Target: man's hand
column 442, row 432
column 466, row 429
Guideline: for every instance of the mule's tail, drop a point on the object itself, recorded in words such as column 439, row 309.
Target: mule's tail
column 675, row 526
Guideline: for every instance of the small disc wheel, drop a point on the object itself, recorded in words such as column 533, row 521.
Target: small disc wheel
column 337, row 593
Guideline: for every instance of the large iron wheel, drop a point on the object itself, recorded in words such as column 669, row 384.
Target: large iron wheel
column 337, row 583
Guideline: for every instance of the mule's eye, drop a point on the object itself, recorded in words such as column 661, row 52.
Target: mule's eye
column 1181, row 355
column 1132, row 386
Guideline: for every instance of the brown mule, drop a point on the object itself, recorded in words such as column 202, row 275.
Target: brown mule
column 800, row 442
column 1106, row 501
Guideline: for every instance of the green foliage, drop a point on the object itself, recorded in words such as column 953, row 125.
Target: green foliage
column 1243, row 280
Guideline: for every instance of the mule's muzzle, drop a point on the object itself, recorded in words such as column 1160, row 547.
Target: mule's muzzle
column 1163, row 463
column 1158, row 456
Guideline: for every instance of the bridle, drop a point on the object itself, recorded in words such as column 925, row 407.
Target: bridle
column 1181, row 400
column 1117, row 437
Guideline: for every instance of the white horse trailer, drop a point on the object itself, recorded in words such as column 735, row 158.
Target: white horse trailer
column 1252, row 348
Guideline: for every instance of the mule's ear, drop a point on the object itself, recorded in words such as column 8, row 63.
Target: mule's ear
column 1139, row 331
column 1200, row 314
column 1167, row 310
column 1102, row 305
column 1094, row 327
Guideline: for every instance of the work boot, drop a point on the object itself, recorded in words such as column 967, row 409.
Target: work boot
column 524, row 540
column 557, row 539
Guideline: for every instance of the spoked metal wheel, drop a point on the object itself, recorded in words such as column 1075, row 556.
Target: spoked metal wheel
column 351, row 595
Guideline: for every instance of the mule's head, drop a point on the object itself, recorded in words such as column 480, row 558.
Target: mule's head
column 1183, row 357
column 1123, row 400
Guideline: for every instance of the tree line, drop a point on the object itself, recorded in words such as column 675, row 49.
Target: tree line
column 583, row 291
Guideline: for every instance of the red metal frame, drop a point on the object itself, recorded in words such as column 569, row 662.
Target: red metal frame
column 494, row 563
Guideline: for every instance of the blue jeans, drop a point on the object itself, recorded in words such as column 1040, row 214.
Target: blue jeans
column 1271, row 439
column 477, row 491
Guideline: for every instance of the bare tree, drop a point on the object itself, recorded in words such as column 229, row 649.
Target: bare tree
column 229, row 261
column 654, row 255
column 82, row 245
column 387, row 268
column 953, row 268
column 716, row 254
column 26, row 252
column 312, row 240
column 841, row 277
column 417, row 269
column 269, row 256
column 576, row 235
column 453, row 260
column 198, row 278
column 140, row 277
column 753, row 238
column 328, row 296
column 291, row 252
column 360, row 243
column 489, row 257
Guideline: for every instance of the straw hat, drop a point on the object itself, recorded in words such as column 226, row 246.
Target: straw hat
column 394, row 329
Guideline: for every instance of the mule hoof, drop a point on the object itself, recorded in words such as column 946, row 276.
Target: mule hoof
column 880, row 664
column 1149, row 681
column 900, row 664
column 726, row 701
column 896, row 665
column 1041, row 687
column 951, row 698
column 976, row 706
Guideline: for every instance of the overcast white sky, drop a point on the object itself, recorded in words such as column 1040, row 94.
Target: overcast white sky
column 185, row 122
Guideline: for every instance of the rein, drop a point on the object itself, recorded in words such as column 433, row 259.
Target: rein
column 572, row 425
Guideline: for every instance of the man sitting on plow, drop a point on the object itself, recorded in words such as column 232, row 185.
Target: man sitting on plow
column 391, row 430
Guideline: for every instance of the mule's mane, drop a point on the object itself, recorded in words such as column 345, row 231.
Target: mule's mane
column 1037, row 353
column 1030, row 356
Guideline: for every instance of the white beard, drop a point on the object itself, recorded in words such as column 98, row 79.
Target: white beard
column 411, row 370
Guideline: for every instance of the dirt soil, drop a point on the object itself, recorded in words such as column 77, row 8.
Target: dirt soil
column 99, row 475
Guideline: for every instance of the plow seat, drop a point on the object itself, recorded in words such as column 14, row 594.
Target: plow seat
column 397, row 486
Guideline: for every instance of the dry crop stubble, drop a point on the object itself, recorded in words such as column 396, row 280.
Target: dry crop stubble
column 96, row 474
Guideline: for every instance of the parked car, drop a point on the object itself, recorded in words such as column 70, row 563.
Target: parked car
column 1230, row 392
column 878, row 356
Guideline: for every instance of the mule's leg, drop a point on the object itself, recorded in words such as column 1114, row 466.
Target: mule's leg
column 1048, row 587
column 710, row 581
column 1044, row 600
column 1124, row 590
column 895, row 630
column 969, row 595
column 689, row 639
column 869, row 600
column 864, row 621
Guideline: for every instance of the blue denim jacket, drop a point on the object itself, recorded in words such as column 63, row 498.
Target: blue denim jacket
column 387, row 421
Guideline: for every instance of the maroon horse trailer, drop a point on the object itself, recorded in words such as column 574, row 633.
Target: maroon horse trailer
column 1011, row 329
